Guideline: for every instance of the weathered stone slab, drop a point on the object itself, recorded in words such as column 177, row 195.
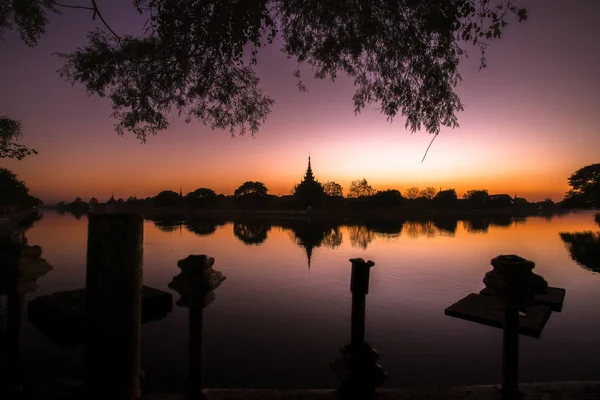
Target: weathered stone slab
column 485, row 310
column 61, row 316
column 553, row 298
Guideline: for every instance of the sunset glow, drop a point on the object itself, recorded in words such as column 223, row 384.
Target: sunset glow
column 531, row 119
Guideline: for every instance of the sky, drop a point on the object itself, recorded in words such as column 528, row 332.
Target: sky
column 531, row 118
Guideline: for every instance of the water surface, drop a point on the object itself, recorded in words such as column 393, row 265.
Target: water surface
column 278, row 321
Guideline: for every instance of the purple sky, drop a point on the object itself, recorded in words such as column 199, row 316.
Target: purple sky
column 531, row 119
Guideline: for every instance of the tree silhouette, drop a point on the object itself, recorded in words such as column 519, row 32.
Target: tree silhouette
column 387, row 198
column 202, row 197
column 446, row 199
column 167, row 198
column 251, row 233
column 249, row 188
column 428, row 193
column 477, row 198
column 585, row 187
column 10, row 133
column 360, row 188
column 412, row 193
column 191, row 55
column 333, row 189
column 13, row 191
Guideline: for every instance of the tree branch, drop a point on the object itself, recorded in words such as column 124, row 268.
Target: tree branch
column 95, row 11
column 430, row 143
column 70, row 6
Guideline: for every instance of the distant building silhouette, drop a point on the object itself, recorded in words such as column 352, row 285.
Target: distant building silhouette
column 309, row 192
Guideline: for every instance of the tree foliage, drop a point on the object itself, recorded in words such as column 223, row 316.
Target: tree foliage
column 253, row 189
column 412, row 193
column 477, row 198
column 333, row 189
column 585, row 187
column 446, row 198
column 13, row 191
column 360, row 188
column 10, row 133
column 428, row 193
column 166, row 198
column 402, row 55
column 387, row 198
column 201, row 197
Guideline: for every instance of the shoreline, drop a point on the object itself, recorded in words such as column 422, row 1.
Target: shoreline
column 347, row 216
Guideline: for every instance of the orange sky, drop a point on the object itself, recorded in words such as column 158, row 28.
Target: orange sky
column 531, row 119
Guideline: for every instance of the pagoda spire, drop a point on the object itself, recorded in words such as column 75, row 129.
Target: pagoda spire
column 309, row 177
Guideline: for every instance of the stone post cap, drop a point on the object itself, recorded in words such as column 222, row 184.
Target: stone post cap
column 512, row 264
column 359, row 279
column 197, row 280
column 512, row 280
column 195, row 262
column 359, row 262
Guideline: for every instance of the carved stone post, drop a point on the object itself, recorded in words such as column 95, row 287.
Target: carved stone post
column 20, row 268
column 514, row 286
column 195, row 284
column 113, row 306
column 357, row 368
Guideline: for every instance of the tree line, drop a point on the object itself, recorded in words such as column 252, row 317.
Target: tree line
column 361, row 195
column 584, row 193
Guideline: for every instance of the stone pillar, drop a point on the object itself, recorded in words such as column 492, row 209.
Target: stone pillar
column 113, row 306
column 196, row 284
column 359, row 287
column 514, row 285
column 20, row 268
column 357, row 368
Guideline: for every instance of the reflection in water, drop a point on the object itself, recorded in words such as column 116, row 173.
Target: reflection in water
column 446, row 224
column 415, row 229
column 389, row 229
column 251, row 233
column 333, row 239
column 202, row 227
column 168, row 225
column 313, row 234
column 477, row 224
column 360, row 236
column 584, row 248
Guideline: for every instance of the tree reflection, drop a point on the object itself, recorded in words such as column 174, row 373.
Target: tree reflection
column 360, row 236
column 388, row 229
column 446, row 224
column 168, row 225
column 251, row 233
column 501, row 220
column 477, row 224
column 414, row 229
column 584, row 248
column 201, row 227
